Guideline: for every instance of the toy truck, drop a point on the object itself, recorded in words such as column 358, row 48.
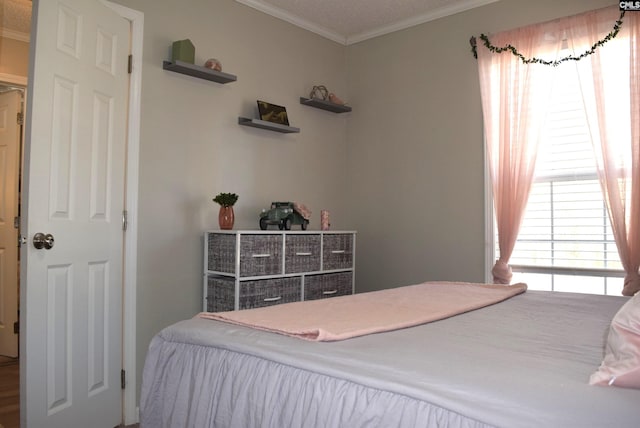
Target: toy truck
column 284, row 215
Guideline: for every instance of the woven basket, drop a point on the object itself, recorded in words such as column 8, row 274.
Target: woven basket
column 260, row 255
column 302, row 253
column 253, row 294
column 220, row 294
column 337, row 251
column 222, row 253
column 267, row 292
column 328, row 285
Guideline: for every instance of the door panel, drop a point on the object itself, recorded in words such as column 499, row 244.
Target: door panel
column 74, row 188
column 9, row 175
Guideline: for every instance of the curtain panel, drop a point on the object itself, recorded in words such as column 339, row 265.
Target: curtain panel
column 610, row 83
column 514, row 98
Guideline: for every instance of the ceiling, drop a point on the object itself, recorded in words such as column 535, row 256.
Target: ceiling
column 352, row 21
column 343, row 21
column 15, row 19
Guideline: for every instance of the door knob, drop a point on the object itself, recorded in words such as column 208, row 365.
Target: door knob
column 40, row 241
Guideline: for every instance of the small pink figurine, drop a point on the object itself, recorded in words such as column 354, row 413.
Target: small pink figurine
column 334, row 99
column 324, row 220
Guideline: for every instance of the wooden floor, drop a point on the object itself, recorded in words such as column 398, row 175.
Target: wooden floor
column 10, row 394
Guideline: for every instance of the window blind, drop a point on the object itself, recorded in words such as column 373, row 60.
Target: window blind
column 565, row 239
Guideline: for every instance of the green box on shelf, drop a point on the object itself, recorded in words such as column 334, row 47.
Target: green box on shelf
column 183, row 50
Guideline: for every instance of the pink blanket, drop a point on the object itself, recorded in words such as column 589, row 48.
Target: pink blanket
column 344, row 317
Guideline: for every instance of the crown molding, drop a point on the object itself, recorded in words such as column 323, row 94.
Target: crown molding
column 295, row 20
column 441, row 12
column 351, row 39
column 15, row 35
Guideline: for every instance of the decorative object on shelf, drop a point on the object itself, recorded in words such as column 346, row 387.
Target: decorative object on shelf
column 183, row 50
column 226, row 216
column 272, row 117
column 226, row 199
column 303, row 210
column 324, row 220
column 319, row 92
column 284, row 215
column 273, row 113
column 213, row 64
column 335, row 99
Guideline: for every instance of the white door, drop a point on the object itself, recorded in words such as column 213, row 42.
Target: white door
column 71, row 314
column 9, row 175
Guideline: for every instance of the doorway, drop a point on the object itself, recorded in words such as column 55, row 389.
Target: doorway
column 15, row 20
column 11, row 137
column 11, row 143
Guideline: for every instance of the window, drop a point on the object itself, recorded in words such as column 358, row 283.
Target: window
column 565, row 241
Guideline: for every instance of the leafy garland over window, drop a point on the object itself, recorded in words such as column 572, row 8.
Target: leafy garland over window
column 495, row 49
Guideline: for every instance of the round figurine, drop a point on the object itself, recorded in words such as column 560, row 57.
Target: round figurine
column 213, row 64
column 319, row 92
column 335, row 99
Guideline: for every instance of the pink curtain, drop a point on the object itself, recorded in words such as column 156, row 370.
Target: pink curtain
column 612, row 99
column 513, row 95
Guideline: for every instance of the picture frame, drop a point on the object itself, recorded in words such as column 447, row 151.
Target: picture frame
column 273, row 113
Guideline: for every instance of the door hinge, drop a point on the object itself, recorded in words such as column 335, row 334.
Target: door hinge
column 123, row 379
column 16, row 222
column 20, row 118
column 125, row 220
column 130, row 64
column 16, row 327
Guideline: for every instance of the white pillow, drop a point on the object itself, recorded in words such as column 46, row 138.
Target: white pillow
column 621, row 364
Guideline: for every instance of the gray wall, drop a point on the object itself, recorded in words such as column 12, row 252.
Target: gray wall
column 405, row 168
column 415, row 157
column 192, row 148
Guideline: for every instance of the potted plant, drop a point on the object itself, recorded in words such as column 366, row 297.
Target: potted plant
column 226, row 216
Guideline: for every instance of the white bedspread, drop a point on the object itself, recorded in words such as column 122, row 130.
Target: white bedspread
column 524, row 362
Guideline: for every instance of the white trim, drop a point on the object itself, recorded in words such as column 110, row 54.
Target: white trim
column 579, row 271
column 441, row 12
column 15, row 35
column 130, row 410
column 14, row 79
column 489, row 229
column 295, row 20
column 345, row 39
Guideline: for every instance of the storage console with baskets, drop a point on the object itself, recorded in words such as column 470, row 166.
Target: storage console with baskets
column 246, row 269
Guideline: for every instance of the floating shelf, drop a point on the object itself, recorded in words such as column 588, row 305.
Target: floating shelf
column 263, row 124
column 325, row 105
column 198, row 71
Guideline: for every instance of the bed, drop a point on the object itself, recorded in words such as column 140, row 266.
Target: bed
column 524, row 362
